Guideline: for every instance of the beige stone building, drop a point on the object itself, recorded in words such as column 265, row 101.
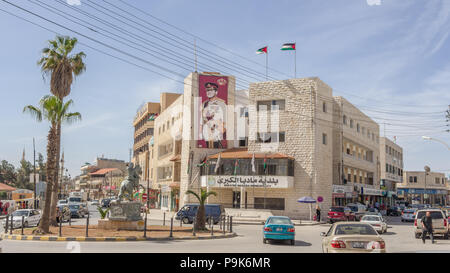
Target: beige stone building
column 419, row 187
column 274, row 143
column 144, row 124
column 391, row 161
column 356, row 157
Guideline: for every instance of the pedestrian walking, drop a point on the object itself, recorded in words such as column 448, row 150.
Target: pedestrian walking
column 427, row 227
column 318, row 213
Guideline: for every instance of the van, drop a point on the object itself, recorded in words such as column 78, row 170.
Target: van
column 440, row 224
column 188, row 212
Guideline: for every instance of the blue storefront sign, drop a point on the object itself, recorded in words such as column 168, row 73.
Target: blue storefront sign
column 420, row 191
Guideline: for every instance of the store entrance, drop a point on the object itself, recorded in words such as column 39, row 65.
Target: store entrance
column 236, row 199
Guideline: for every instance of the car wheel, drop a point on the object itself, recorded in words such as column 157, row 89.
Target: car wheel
column 403, row 220
column 186, row 220
column 292, row 242
column 264, row 241
column 418, row 235
column 446, row 236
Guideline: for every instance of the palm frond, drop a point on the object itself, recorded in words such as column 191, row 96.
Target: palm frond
column 33, row 111
column 194, row 194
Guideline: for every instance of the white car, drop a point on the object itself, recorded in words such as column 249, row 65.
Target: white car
column 95, row 203
column 32, row 217
column 408, row 215
column 377, row 222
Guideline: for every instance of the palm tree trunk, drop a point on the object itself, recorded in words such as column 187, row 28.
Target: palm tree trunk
column 201, row 217
column 44, row 225
column 56, row 179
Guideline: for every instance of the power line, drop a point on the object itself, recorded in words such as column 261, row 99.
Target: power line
column 199, row 38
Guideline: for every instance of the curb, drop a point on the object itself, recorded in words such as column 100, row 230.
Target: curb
column 108, row 239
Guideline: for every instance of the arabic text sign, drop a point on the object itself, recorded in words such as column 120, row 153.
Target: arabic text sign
column 279, row 182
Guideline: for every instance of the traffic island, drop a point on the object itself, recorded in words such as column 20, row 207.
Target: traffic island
column 78, row 233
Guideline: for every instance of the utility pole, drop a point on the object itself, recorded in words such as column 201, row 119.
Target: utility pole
column 34, row 173
column 427, row 170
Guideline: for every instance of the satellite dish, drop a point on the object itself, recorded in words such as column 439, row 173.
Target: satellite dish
column 427, row 169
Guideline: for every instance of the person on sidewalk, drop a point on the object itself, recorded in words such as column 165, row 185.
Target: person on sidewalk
column 318, row 213
column 427, row 227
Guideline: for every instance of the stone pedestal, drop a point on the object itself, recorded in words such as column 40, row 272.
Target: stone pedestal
column 120, row 225
column 125, row 211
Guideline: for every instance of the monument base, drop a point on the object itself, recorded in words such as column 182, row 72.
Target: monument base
column 120, row 225
column 125, row 211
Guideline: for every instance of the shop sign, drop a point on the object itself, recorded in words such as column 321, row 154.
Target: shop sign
column 342, row 189
column 277, row 182
column 370, row 191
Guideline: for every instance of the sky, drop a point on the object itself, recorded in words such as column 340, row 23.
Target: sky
column 390, row 58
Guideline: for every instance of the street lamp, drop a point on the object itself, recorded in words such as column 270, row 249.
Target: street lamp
column 440, row 141
column 427, row 170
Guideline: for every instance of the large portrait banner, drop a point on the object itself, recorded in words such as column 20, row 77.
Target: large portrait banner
column 213, row 92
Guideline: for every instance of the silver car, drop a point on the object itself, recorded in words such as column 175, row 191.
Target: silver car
column 408, row 215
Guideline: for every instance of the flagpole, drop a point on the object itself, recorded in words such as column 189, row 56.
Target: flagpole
column 267, row 63
column 295, row 63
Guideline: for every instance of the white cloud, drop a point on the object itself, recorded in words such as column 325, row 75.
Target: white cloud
column 74, row 2
column 373, row 2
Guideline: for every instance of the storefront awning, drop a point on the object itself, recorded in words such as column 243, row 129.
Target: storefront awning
column 243, row 153
column 176, row 158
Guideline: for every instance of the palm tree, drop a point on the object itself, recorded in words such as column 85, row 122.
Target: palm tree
column 200, row 220
column 62, row 67
column 53, row 110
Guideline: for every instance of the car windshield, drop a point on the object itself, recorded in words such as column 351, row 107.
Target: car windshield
column 353, row 208
column 337, row 209
column 75, row 199
column 20, row 213
column 352, row 229
column 434, row 214
column 279, row 221
column 74, row 206
column 62, row 201
column 370, row 218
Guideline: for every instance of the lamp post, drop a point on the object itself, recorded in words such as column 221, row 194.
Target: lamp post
column 427, row 170
column 440, row 141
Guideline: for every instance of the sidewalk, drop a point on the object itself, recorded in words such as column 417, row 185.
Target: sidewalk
column 157, row 214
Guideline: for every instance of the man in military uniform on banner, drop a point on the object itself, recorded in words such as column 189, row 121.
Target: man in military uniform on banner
column 213, row 117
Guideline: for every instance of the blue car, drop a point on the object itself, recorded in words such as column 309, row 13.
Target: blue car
column 279, row 228
column 188, row 212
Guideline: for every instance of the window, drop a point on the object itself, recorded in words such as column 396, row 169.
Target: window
column 357, row 127
column 268, row 105
column 410, row 179
column 345, row 119
column 324, row 139
column 243, row 141
column 436, row 180
column 269, row 203
column 244, row 112
column 355, row 178
column 349, row 178
column 387, row 168
column 363, row 130
column 324, row 107
column 173, row 121
column 349, row 152
column 415, row 179
column 351, row 123
column 270, row 137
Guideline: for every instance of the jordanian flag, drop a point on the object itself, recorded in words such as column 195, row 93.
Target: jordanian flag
column 262, row 50
column 290, row 46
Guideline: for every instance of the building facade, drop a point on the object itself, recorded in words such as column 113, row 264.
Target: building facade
column 356, row 159
column 391, row 159
column 265, row 147
column 420, row 187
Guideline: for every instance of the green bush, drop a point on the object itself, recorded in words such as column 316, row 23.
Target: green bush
column 102, row 212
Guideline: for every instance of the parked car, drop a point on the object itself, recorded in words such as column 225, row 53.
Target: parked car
column 340, row 214
column 439, row 219
column 62, row 202
column 106, row 202
column 32, row 217
column 352, row 237
column 358, row 210
column 377, row 222
column 372, row 213
column 74, row 199
column 95, row 203
column 408, row 215
column 188, row 212
column 394, row 211
column 65, row 213
column 76, row 211
column 279, row 228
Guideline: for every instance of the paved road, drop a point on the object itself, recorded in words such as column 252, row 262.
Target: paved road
column 399, row 238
